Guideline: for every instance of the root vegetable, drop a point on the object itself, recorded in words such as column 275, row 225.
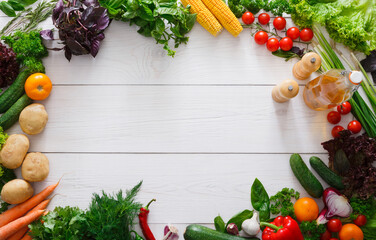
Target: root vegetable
column 35, row 167
column 33, row 119
column 14, row 150
column 16, row 191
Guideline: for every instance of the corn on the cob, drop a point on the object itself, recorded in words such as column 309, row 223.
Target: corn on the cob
column 204, row 16
column 224, row 15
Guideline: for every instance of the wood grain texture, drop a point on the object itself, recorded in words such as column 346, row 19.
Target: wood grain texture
column 185, row 119
column 189, row 188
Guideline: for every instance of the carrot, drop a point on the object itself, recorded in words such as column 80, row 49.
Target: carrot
column 12, row 227
column 41, row 206
column 19, row 234
column 20, row 210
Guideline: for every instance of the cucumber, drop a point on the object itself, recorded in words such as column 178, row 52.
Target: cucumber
column 326, row 173
column 11, row 116
column 198, row 232
column 305, row 176
column 14, row 92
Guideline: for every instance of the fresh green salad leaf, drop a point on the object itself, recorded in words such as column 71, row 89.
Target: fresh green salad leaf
column 369, row 230
column 281, row 202
column 254, row 6
column 164, row 20
column 60, row 224
column 366, row 207
column 352, row 23
column 239, row 218
column 29, row 49
column 260, row 200
column 311, row 230
column 219, row 224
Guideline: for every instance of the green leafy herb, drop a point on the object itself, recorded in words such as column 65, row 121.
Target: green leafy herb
column 254, row 6
column 239, row 218
column 219, row 224
column 311, row 230
column 278, row 7
column 29, row 18
column 6, row 8
column 60, row 224
column 112, row 217
column 6, row 175
column 236, row 7
column 281, row 203
column 164, row 20
column 366, row 207
column 29, row 49
column 260, row 200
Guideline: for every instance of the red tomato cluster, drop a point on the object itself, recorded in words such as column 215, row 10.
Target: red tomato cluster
column 334, row 117
column 279, row 23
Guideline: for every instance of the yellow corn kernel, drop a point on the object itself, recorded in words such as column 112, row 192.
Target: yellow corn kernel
column 224, row 15
column 204, row 16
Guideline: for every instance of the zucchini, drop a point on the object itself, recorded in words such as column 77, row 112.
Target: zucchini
column 198, row 232
column 11, row 116
column 326, row 173
column 14, row 92
column 305, row 176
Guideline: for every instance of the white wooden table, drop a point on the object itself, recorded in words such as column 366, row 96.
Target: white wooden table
column 197, row 128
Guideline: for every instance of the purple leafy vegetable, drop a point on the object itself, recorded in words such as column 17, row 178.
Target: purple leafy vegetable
column 369, row 64
column 81, row 26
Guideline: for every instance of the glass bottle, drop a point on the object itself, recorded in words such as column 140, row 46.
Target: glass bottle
column 331, row 89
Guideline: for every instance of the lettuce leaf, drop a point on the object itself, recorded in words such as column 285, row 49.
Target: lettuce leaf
column 351, row 22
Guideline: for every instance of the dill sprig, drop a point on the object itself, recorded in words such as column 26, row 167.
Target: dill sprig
column 29, row 18
column 112, row 217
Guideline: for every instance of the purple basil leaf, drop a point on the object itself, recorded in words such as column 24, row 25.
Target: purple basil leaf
column 104, row 20
column 95, row 47
column 57, row 10
column 100, row 36
column 75, row 47
column 68, row 53
column 47, row 34
column 87, row 15
column 89, row 3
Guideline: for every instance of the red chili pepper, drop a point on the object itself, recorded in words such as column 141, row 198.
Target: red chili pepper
column 143, row 219
column 282, row 228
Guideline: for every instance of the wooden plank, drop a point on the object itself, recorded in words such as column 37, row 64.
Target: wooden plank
column 189, row 188
column 214, row 119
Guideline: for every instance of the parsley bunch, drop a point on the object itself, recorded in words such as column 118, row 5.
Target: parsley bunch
column 281, row 203
column 365, row 207
column 311, row 230
column 29, row 49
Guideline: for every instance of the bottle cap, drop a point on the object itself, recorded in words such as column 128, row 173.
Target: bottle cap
column 356, row 77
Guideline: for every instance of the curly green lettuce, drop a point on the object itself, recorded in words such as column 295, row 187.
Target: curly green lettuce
column 351, row 22
column 3, row 137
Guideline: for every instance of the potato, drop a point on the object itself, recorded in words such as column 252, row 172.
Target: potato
column 14, row 150
column 35, row 167
column 33, row 119
column 16, row 191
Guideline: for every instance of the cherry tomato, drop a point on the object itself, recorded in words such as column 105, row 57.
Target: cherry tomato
column 354, row 127
column 326, row 235
column 248, row 18
column 272, row 44
column 334, row 117
column 334, row 225
column 286, row 44
column 263, row 18
column 361, row 220
column 279, row 23
column 344, row 108
column 293, row 33
column 333, row 239
column 261, row 37
column 336, row 130
column 306, row 34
